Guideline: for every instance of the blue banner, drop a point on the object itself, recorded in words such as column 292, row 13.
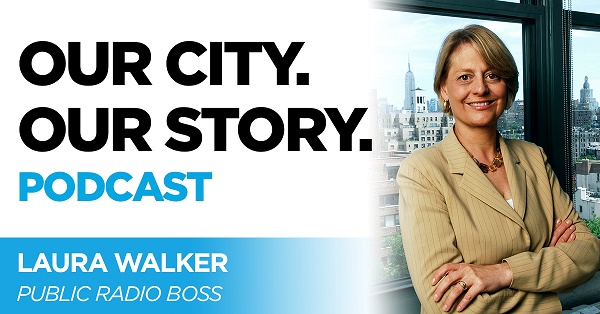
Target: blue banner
column 179, row 275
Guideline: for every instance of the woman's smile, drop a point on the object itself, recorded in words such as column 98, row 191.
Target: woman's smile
column 482, row 105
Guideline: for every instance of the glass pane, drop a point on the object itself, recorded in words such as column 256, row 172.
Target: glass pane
column 586, row 6
column 586, row 127
column 405, row 51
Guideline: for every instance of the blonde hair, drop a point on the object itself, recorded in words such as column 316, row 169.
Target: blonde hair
column 492, row 50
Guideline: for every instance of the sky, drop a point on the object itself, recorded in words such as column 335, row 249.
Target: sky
column 399, row 36
column 586, row 45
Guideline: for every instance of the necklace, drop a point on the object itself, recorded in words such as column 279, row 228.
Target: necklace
column 496, row 163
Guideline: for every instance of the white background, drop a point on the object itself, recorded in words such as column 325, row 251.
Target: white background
column 269, row 194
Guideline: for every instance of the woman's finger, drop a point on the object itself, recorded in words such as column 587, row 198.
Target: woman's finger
column 559, row 231
column 442, row 271
column 470, row 294
column 454, row 292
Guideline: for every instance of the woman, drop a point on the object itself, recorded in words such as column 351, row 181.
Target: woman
column 485, row 225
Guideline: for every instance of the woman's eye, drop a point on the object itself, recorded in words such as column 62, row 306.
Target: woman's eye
column 463, row 77
column 493, row 77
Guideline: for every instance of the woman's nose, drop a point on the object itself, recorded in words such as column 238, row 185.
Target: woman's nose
column 480, row 86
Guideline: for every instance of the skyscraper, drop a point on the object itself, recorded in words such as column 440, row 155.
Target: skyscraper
column 586, row 93
column 583, row 111
column 409, row 89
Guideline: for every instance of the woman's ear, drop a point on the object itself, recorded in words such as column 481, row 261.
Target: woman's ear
column 443, row 90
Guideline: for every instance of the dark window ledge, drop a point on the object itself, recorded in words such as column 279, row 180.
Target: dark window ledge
column 587, row 294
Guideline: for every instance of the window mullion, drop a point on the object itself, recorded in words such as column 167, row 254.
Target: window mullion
column 553, row 107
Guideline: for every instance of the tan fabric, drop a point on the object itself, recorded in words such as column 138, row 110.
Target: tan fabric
column 450, row 212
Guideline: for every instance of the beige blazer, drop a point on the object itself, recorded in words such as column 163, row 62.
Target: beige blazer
column 450, row 212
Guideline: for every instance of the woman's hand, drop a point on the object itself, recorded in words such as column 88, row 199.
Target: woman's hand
column 476, row 279
column 563, row 232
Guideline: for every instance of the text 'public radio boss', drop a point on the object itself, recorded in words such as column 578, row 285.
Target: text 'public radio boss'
column 485, row 224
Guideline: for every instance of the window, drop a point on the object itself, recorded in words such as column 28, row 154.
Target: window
column 388, row 199
column 585, row 110
column 388, row 221
column 550, row 114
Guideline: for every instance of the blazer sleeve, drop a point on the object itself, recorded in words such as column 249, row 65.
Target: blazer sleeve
column 563, row 267
column 429, row 240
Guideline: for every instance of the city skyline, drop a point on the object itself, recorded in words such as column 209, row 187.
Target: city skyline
column 399, row 36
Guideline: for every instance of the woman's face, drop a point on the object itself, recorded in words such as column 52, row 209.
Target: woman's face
column 476, row 93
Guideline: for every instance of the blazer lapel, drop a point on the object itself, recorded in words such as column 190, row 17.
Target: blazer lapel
column 517, row 178
column 474, row 181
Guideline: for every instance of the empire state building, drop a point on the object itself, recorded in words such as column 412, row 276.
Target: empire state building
column 409, row 89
